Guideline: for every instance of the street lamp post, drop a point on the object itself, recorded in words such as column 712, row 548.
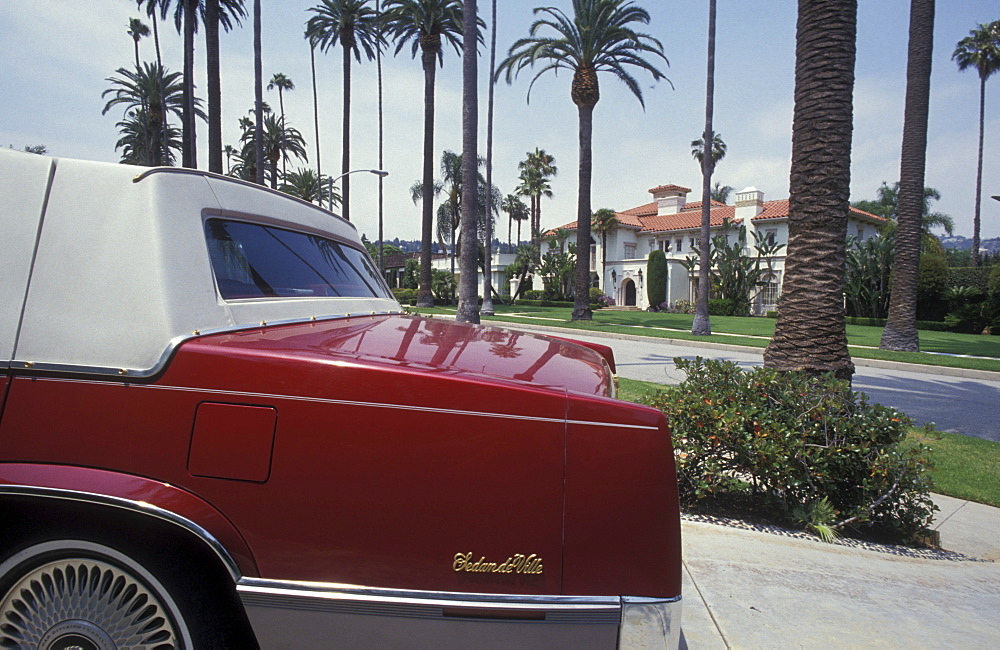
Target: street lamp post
column 378, row 172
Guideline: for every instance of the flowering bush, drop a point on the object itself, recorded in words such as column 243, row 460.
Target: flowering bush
column 789, row 443
column 605, row 301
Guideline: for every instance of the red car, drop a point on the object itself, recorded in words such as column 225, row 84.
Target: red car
column 218, row 429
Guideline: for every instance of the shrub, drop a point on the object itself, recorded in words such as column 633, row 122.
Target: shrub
column 722, row 307
column 683, row 307
column 595, row 294
column 533, row 294
column 604, row 301
column 771, row 313
column 656, row 277
column 970, row 276
column 783, row 442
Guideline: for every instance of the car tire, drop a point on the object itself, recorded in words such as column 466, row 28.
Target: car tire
column 61, row 594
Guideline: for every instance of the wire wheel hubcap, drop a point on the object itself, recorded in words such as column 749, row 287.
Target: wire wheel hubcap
column 86, row 604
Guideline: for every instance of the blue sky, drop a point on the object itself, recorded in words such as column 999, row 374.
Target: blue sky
column 58, row 55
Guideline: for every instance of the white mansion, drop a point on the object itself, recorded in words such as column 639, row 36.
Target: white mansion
column 673, row 225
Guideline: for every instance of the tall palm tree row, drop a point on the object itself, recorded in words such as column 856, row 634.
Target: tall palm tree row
column 426, row 25
column 900, row 331
column 354, row 25
column 213, row 14
column 216, row 14
column 810, row 334
column 599, row 37
column 979, row 50
column 516, row 211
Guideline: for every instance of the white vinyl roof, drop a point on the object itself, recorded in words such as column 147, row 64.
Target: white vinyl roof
column 119, row 267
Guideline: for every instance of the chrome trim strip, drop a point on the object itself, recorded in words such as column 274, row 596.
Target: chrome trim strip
column 173, row 344
column 331, row 597
column 131, row 505
column 400, row 407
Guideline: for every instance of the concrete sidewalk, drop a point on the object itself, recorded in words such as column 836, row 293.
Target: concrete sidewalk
column 749, row 589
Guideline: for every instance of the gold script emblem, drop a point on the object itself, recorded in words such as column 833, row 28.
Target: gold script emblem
column 522, row 564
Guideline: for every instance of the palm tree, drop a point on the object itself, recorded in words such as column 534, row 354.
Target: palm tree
column 258, row 90
column 900, row 331
column 721, row 192
column 312, row 65
column 810, row 333
column 355, row 26
column 468, row 302
column 280, row 142
column 216, row 13
column 718, row 149
column 306, row 184
column 230, row 151
column 536, row 169
column 979, row 50
column 713, row 149
column 516, row 211
column 425, row 24
column 886, row 205
column 152, row 8
column 487, row 308
column 598, row 38
column 150, row 93
column 603, row 221
column 141, row 140
column 282, row 83
column 137, row 30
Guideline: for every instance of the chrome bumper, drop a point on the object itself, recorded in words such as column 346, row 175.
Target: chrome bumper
column 314, row 615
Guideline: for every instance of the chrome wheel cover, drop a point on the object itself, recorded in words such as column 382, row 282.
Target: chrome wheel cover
column 83, row 603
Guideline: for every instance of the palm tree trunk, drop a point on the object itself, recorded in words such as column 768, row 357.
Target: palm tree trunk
column 900, row 331
column 810, row 334
column 214, row 86
column 581, row 287
column 281, row 107
column 381, row 131
column 487, row 308
column 979, row 172
column 702, row 325
column 163, row 157
column 345, row 165
column 468, row 291
column 189, row 150
column 136, row 40
column 424, row 296
column 319, row 173
column 258, row 76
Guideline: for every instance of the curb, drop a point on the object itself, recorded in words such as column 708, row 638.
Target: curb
column 986, row 375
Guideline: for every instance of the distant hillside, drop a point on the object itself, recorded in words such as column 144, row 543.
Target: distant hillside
column 965, row 243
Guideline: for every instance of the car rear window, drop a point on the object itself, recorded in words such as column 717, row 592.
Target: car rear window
column 257, row 261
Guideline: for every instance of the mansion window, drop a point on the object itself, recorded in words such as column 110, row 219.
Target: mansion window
column 771, row 288
column 665, row 245
column 630, row 251
column 771, row 236
column 680, row 244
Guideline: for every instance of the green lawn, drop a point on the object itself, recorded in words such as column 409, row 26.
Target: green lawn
column 964, row 467
column 755, row 332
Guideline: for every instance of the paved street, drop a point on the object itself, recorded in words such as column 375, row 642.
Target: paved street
column 956, row 404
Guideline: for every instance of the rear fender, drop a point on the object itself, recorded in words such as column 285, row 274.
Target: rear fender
column 137, row 495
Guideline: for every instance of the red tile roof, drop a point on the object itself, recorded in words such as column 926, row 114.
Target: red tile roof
column 645, row 218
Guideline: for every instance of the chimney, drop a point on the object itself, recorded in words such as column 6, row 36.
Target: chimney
column 749, row 203
column 670, row 199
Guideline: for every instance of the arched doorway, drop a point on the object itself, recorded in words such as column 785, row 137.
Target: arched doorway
column 628, row 289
